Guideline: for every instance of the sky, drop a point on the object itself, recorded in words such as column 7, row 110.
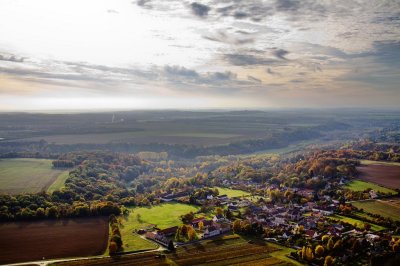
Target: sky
column 161, row 54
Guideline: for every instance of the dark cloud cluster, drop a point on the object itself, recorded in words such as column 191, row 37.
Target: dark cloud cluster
column 179, row 73
column 199, row 9
column 248, row 60
column 144, row 4
column 280, row 53
column 239, row 38
column 180, row 78
column 277, row 57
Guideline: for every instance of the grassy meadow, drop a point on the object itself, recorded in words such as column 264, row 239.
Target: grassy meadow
column 358, row 185
column 163, row 216
column 29, row 175
column 357, row 223
column 232, row 192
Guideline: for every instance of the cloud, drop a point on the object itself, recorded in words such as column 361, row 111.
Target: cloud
column 225, row 37
column 297, row 81
column 200, row 9
column 220, row 76
column 288, row 5
column 273, row 73
column 144, row 4
column 112, row 11
column 248, row 59
column 11, row 58
column 280, row 53
column 251, row 78
column 177, row 73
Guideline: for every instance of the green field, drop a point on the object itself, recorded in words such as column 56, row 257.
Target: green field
column 140, row 137
column 369, row 162
column 357, row 223
column 358, row 185
column 29, row 175
column 383, row 208
column 232, row 192
column 59, row 183
column 163, row 216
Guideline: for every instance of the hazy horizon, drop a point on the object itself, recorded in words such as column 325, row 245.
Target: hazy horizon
column 205, row 109
column 74, row 56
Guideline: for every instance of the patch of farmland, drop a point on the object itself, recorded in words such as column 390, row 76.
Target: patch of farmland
column 387, row 208
column 232, row 192
column 163, row 216
column 387, row 175
column 220, row 251
column 357, row 223
column 358, row 185
column 30, row 241
column 28, row 175
column 141, row 137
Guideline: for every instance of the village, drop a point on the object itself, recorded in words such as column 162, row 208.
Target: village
column 301, row 220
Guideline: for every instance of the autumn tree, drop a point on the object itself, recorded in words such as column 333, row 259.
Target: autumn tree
column 236, row 226
column 338, row 245
column 201, row 226
column 319, row 250
column 325, row 239
column 330, row 244
column 112, row 247
column 309, row 254
column 187, row 218
column 328, row 261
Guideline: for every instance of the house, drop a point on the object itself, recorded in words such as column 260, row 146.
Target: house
column 305, row 193
column 372, row 194
column 161, row 239
column 211, row 231
column 311, row 234
column 232, row 207
column 218, row 218
column 371, row 237
column 279, row 220
column 223, row 197
column 225, row 227
column 324, row 212
column 168, row 231
column 294, row 215
column 171, row 197
column 208, row 223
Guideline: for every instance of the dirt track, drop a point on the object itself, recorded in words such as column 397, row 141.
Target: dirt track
column 385, row 175
column 30, row 241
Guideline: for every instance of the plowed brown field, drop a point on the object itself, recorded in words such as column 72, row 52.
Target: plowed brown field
column 30, row 241
column 385, row 175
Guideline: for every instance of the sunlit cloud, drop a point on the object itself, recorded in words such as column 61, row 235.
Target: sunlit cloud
column 256, row 54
